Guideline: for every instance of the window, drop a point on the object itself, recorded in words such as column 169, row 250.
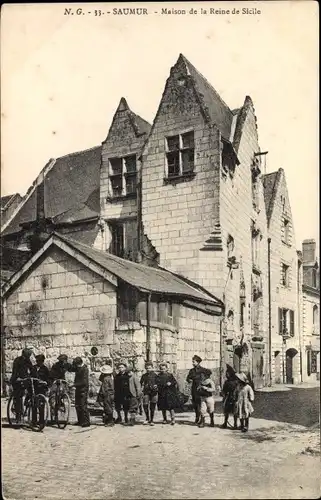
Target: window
column 256, row 238
column 286, row 232
column 127, row 303
column 285, row 275
column 124, row 239
column 286, row 322
column 315, row 319
column 123, row 176
column 314, row 278
column 180, row 154
column 230, row 246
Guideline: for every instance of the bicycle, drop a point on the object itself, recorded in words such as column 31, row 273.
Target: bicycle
column 60, row 404
column 34, row 407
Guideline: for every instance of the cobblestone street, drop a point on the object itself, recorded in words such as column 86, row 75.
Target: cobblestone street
column 274, row 460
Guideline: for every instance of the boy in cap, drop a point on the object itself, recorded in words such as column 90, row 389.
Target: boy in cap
column 194, row 377
column 121, row 387
column 149, row 386
column 41, row 372
column 59, row 369
column 106, row 393
column 206, row 391
column 230, row 393
column 131, row 403
column 81, row 383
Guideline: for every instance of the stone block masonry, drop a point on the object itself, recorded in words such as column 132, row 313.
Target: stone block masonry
column 60, row 307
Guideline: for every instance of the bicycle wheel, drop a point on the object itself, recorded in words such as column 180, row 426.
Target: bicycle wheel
column 38, row 413
column 62, row 410
column 11, row 412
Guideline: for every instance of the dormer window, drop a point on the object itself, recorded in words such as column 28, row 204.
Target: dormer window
column 123, row 176
column 180, row 155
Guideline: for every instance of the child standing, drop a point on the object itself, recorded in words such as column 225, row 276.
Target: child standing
column 244, row 402
column 229, row 393
column 149, row 386
column 106, row 393
column 206, row 391
column 167, row 393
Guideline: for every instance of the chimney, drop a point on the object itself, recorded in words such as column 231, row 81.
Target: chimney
column 308, row 250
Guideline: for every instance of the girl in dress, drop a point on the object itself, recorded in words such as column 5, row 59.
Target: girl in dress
column 244, row 407
column 167, row 393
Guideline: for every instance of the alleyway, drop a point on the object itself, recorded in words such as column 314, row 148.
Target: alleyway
column 276, row 459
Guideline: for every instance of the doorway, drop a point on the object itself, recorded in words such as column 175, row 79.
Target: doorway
column 277, row 367
column 258, row 368
column 289, row 364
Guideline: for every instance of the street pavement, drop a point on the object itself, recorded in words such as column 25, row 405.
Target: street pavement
column 276, row 459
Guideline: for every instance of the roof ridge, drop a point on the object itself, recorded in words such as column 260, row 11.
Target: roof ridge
column 76, row 153
column 204, row 78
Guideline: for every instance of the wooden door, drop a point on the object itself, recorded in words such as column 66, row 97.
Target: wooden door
column 289, row 368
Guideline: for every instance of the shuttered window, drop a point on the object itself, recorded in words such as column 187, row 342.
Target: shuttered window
column 291, row 323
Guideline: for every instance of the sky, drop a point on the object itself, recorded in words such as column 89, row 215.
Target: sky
column 62, row 78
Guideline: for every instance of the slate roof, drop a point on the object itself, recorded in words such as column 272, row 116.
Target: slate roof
column 71, row 191
column 219, row 112
column 270, row 185
column 143, row 277
column 6, row 200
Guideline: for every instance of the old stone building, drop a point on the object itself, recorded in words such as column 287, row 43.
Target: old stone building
column 285, row 287
column 310, row 313
column 185, row 196
column 72, row 298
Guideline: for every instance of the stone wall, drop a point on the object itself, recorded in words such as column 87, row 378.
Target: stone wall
column 311, row 334
column 61, row 306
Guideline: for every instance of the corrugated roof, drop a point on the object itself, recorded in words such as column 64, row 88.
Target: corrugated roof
column 270, row 184
column 140, row 276
column 71, row 190
column 218, row 110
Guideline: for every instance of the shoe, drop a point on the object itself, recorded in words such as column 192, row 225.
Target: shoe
column 223, row 426
column 173, row 422
column 196, row 421
column 244, row 429
column 109, row 424
column 151, row 423
column 201, row 423
column 85, row 425
column 118, row 420
column 131, row 422
column 146, row 422
column 165, row 422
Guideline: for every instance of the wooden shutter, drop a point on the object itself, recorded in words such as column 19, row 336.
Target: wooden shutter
column 280, row 321
column 292, row 323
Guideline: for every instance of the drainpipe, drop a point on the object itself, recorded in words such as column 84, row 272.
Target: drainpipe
column 139, row 214
column 299, row 322
column 148, row 327
column 270, row 311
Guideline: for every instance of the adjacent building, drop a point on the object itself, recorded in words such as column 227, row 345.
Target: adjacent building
column 310, row 313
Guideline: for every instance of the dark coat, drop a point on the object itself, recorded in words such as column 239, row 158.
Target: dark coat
column 21, row 368
column 167, row 395
column 58, row 371
column 81, row 381
column 40, row 372
column 148, row 382
column 194, row 376
column 230, row 394
column 106, row 392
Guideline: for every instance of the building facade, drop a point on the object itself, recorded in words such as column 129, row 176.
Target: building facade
column 186, row 194
column 310, row 313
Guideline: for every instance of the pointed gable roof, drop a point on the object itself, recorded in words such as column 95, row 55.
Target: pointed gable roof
column 270, row 184
column 141, row 127
column 216, row 109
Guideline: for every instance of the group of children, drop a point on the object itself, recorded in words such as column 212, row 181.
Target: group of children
column 125, row 391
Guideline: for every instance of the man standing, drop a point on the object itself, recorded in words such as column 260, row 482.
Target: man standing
column 81, row 383
column 106, row 393
column 127, row 393
column 194, row 377
column 22, row 368
column 149, row 385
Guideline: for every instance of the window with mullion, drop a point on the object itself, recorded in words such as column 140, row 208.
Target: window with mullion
column 180, row 154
